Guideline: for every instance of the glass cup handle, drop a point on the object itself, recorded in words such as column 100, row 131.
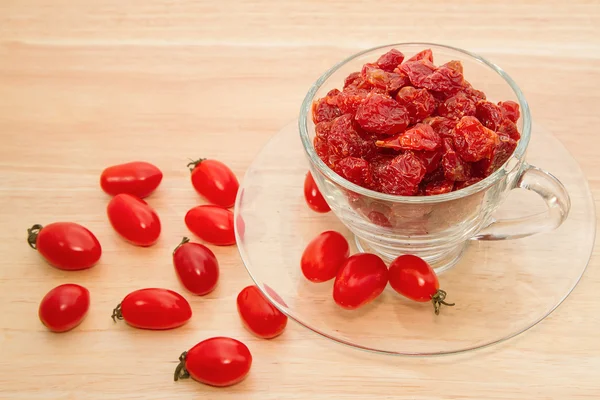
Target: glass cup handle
column 554, row 194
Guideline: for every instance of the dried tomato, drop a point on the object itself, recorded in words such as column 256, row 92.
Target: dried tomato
column 457, row 106
column 378, row 218
column 438, row 187
column 322, row 130
column 350, row 99
column 419, row 103
column 502, row 151
column 455, row 169
column 344, row 141
column 474, row 94
column 440, row 97
column 489, row 114
column 322, row 149
column 356, row 170
column 420, row 137
column 472, row 140
column 395, row 82
column 417, row 71
column 444, row 79
column 374, row 75
column 390, row 60
column 443, row 126
column 381, row 115
column 454, row 65
column 352, row 80
column 509, row 128
column 426, row 54
column 430, row 159
column 380, row 162
column 326, row 109
column 510, row 110
column 389, row 81
column 402, row 175
column 433, row 176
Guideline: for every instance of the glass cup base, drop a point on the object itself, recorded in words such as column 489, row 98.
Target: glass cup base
column 439, row 261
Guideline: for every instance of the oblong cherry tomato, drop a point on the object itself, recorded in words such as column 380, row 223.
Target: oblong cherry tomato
column 64, row 307
column 258, row 315
column 65, row 245
column 324, row 256
column 360, row 280
column 134, row 219
column 213, row 224
column 153, row 308
column 313, row 196
column 137, row 178
column 196, row 266
column 214, row 181
column 413, row 277
column 218, row 361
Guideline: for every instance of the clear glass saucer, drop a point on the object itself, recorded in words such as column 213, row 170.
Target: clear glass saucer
column 500, row 288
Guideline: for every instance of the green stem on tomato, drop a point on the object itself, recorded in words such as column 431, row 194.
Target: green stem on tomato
column 183, row 241
column 194, row 163
column 180, row 371
column 32, row 234
column 438, row 299
column 117, row 314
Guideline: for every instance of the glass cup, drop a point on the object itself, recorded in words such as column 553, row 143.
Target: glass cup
column 436, row 228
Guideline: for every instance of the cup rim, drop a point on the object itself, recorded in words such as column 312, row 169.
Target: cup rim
column 519, row 152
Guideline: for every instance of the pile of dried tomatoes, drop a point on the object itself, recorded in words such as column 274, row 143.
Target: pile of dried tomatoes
column 409, row 127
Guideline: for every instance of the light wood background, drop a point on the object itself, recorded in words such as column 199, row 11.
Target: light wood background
column 86, row 84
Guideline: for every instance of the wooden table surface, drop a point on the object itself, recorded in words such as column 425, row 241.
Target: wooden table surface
column 87, row 84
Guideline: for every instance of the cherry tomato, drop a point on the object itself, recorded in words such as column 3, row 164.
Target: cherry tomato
column 137, row 178
column 64, row 307
column 214, row 181
column 213, row 224
column 196, row 266
column 153, row 309
column 324, row 256
column 65, row 245
column 313, row 196
column 134, row 219
column 258, row 315
column 218, row 361
column 412, row 277
column 360, row 280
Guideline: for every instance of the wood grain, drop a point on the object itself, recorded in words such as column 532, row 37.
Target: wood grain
column 85, row 84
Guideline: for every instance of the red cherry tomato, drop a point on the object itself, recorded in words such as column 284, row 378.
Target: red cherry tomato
column 137, row 178
column 64, row 307
column 213, row 224
column 258, row 315
column 313, row 196
column 324, row 256
column 196, row 266
column 218, row 361
column 214, row 181
column 412, row 277
column 360, row 280
column 134, row 219
column 65, row 245
column 153, row 309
